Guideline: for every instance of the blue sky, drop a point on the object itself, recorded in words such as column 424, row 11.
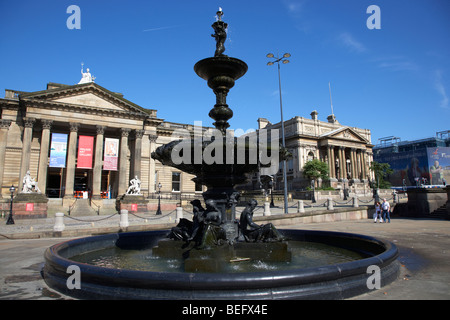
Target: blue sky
column 394, row 81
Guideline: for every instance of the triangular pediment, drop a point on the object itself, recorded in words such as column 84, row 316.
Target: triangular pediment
column 344, row 133
column 89, row 95
column 90, row 100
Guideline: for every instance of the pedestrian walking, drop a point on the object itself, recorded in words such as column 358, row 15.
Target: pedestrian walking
column 377, row 213
column 385, row 206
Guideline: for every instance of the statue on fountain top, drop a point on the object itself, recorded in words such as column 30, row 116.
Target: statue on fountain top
column 220, row 34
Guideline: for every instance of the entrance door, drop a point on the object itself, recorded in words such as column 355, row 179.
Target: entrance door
column 83, row 183
column 55, row 183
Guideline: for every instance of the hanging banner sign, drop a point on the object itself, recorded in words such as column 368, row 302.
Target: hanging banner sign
column 58, row 150
column 111, row 154
column 85, row 152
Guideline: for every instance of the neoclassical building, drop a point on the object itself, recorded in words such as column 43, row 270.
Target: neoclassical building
column 346, row 150
column 84, row 138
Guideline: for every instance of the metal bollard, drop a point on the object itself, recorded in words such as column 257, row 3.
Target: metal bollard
column 355, row 202
column 267, row 209
column 301, row 207
column 179, row 215
column 330, row 204
column 59, row 222
column 124, row 219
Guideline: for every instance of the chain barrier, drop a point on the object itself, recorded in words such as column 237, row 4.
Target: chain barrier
column 153, row 218
column 342, row 203
column 91, row 220
column 316, row 206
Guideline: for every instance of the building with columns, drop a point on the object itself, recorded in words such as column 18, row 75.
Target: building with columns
column 346, row 150
column 105, row 141
column 84, row 140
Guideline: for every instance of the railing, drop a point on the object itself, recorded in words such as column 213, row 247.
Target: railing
column 73, row 205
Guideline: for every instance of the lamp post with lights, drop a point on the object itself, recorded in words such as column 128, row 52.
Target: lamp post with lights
column 158, row 212
column 283, row 60
column 10, row 217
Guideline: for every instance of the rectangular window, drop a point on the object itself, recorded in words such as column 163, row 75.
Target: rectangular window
column 176, row 181
column 198, row 187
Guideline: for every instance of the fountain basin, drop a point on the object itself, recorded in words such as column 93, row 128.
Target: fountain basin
column 222, row 66
column 336, row 281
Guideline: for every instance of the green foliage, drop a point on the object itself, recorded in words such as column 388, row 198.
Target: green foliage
column 315, row 169
column 381, row 170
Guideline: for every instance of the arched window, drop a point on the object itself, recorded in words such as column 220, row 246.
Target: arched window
column 310, row 156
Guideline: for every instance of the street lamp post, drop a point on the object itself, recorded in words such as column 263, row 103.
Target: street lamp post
column 272, row 205
column 313, row 186
column 10, row 217
column 284, row 61
column 158, row 212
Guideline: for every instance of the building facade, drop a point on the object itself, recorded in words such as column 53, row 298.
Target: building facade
column 83, row 138
column 417, row 162
column 346, row 150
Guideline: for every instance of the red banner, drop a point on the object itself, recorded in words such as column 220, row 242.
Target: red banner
column 85, row 152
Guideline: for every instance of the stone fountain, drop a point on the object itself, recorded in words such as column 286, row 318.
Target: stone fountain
column 216, row 238
column 217, row 223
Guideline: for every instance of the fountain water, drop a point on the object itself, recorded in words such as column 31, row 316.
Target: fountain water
column 206, row 246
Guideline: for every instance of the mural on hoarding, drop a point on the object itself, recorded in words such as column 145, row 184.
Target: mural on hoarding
column 415, row 167
column 409, row 166
column 439, row 164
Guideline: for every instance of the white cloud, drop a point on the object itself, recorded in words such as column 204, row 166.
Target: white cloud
column 347, row 40
column 294, row 6
column 441, row 89
column 160, row 28
column 395, row 63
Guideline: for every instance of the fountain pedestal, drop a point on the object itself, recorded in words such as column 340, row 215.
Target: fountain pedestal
column 132, row 203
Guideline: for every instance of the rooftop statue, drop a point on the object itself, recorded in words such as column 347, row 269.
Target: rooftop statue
column 86, row 76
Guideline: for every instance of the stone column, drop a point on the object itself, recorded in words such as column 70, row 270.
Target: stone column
column 4, row 127
column 98, row 161
column 344, row 171
column 358, row 160
column 43, row 155
column 333, row 163
column 26, row 149
column 341, row 163
column 71, row 157
column 138, row 153
column 123, row 185
column 363, row 164
column 330, row 162
column 353, row 163
column 152, row 169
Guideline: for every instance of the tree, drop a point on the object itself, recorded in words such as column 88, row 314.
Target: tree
column 381, row 170
column 315, row 169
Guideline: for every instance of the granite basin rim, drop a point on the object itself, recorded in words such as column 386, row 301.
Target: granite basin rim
column 330, row 282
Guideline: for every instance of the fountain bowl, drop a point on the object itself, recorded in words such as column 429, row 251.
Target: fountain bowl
column 337, row 281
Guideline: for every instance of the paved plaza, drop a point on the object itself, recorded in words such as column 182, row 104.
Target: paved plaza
column 423, row 252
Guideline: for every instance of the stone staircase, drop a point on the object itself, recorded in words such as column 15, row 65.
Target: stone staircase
column 82, row 208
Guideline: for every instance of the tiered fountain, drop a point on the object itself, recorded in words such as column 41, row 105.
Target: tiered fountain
column 215, row 256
